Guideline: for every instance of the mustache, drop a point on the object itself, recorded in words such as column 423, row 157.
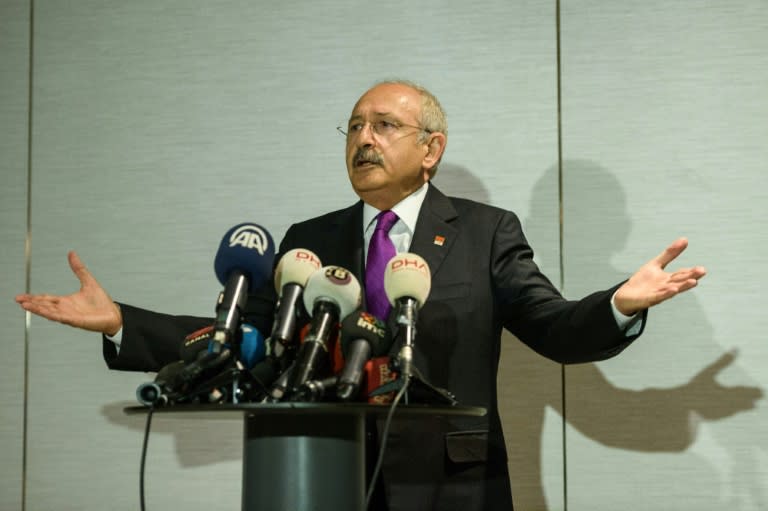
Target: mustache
column 367, row 155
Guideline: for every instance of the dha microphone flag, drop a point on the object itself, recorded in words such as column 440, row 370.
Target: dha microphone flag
column 407, row 276
column 243, row 264
column 407, row 282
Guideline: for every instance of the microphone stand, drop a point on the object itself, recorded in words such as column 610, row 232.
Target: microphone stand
column 406, row 315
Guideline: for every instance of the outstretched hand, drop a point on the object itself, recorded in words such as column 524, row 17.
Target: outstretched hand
column 651, row 284
column 90, row 308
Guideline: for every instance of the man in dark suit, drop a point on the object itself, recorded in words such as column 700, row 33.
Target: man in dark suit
column 483, row 279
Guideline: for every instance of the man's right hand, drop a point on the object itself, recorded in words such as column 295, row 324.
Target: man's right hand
column 91, row 308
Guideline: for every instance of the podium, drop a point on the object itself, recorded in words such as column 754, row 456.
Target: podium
column 307, row 456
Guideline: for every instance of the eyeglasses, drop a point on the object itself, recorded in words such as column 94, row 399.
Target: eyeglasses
column 383, row 128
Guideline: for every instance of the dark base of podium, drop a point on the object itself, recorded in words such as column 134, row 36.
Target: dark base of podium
column 307, row 456
column 315, row 462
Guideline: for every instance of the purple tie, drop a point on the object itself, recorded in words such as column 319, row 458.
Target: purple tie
column 380, row 251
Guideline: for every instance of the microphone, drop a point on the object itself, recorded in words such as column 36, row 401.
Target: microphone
column 407, row 282
column 161, row 391
column 291, row 277
column 252, row 346
column 316, row 390
column 279, row 383
column 243, row 264
column 332, row 293
column 237, row 381
column 281, row 376
column 175, row 381
column 195, row 343
column 363, row 336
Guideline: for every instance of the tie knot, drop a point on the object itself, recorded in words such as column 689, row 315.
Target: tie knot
column 386, row 220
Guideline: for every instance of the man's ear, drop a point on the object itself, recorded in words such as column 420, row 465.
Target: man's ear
column 435, row 148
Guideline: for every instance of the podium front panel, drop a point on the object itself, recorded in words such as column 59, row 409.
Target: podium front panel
column 313, row 462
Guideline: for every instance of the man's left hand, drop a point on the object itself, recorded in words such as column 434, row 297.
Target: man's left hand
column 651, row 284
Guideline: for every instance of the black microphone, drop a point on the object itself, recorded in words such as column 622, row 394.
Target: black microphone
column 160, row 392
column 291, row 275
column 174, row 381
column 316, row 390
column 243, row 264
column 251, row 345
column 363, row 336
column 407, row 282
column 279, row 382
column 195, row 343
column 332, row 293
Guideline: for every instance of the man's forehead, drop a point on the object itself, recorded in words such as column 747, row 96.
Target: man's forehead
column 387, row 99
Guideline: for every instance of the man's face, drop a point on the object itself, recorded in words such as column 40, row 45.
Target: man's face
column 385, row 159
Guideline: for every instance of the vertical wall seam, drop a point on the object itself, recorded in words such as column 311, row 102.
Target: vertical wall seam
column 561, row 229
column 28, row 257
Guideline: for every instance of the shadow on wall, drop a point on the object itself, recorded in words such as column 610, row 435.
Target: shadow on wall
column 651, row 420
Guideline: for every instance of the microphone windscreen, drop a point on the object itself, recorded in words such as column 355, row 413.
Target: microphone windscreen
column 295, row 267
column 407, row 275
column 168, row 372
column 253, row 347
column 334, row 284
column 249, row 249
column 363, row 325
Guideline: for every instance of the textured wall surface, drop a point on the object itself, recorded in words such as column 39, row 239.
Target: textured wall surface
column 14, row 112
column 156, row 126
column 664, row 129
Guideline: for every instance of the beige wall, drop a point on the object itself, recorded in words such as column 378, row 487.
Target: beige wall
column 158, row 125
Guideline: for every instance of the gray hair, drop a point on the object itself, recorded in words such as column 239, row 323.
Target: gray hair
column 433, row 118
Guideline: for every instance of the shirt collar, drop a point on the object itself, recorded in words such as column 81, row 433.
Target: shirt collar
column 407, row 210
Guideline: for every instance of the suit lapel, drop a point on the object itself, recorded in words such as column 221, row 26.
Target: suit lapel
column 433, row 238
column 434, row 235
column 344, row 243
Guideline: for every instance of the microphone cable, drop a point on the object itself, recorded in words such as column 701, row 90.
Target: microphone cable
column 144, row 456
column 384, row 436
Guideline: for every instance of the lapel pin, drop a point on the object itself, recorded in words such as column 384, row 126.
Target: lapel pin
column 439, row 240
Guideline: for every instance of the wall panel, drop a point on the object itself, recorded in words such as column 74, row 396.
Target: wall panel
column 664, row 129
column 14, row 112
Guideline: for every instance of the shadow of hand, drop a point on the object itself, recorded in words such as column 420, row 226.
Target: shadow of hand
column 712, row 400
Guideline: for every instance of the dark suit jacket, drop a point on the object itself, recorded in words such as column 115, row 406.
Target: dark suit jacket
column 483, row 279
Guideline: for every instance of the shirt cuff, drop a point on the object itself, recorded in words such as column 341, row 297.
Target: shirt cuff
column 627, row 324
column 116, row 339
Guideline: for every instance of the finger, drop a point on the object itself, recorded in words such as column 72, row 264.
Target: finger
column 671, row 252
column 670, row 290
column 78, row 268
column 42, row 298
column 721, row 363
column 686, row 274
column 675, row 289
column 44, row 310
